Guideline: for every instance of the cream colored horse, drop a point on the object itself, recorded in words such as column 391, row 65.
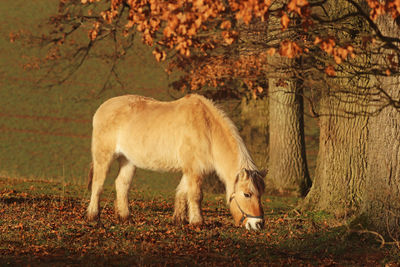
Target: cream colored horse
column 190, row 135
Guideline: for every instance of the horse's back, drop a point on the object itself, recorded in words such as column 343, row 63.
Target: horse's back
column 134, row 107
column 117, row 106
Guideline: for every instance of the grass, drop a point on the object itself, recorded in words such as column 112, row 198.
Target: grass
column 45, row 131
column 43, row 223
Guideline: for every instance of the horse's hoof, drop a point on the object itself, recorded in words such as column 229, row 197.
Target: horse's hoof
column 92, row 217
column 196, row 220
column 197, row 223
column 125, row 219
column 179, row 221
column 122, row 218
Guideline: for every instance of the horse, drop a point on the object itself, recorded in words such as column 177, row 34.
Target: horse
column 190, row 135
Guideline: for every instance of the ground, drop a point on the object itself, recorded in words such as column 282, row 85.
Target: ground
column 43, row 223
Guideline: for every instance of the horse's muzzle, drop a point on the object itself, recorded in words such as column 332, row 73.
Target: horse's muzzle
column 254, row 224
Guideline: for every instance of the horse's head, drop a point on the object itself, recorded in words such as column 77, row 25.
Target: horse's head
column 245, row 201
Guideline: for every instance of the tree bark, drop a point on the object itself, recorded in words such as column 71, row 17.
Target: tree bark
column 339, row 180
column 288, row 170
column 381, row 207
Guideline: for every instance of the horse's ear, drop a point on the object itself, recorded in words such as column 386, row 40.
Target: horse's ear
column 263, row 173
column 243, row 175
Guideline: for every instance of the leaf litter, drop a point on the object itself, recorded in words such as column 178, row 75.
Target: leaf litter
column 44, row 229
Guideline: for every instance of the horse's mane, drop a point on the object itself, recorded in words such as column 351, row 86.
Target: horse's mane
column 245, row 160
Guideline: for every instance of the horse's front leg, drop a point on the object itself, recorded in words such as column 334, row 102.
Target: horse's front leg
column 195, row 196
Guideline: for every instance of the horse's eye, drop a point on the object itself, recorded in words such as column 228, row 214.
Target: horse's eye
column 247, row 195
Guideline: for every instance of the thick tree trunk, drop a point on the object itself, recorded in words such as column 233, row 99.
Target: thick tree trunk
column 288, row 170
column 381, row 208
column 382, row 197
column 339, row 180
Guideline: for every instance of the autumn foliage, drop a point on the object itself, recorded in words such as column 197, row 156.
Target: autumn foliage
column 205, row 40
column 203, row 32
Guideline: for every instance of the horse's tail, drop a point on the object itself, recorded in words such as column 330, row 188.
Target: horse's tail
column 90, row 177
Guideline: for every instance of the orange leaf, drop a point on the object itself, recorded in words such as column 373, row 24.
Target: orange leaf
column 292, row 6
column 229, row 37
column 154, row 22
column 192, row 31
column 302, row 3
column 330, row 70
column 328, row 45
column 159, row 55
column 337, row 59
column 342, row 52
column 297, row 5
column 350, row 48
column 168, row 32
column 226, row 25
column 198, row 3
column 285, row 21
column 13, row 37
column 254, row 94
column 271, row 51
column 317, row 40
column 289, row 49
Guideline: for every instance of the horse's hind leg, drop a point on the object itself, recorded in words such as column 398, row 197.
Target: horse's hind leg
column 100, row 169
column 194, row 197
column 122, row 185
column 180, row 207
column 188, row 198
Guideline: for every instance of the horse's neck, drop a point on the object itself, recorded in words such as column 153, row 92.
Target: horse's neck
column 229, row 173
column 229, row 152
column 231, row 158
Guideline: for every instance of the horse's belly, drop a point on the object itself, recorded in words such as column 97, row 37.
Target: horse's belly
column 151, row 157
column 155, row 164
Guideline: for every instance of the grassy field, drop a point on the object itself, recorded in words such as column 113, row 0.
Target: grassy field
column 43, row 224
column 45, row 131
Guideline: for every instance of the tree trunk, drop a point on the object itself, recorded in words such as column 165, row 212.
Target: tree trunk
column 381, row 208
column 339, row 179
column 288, row 170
